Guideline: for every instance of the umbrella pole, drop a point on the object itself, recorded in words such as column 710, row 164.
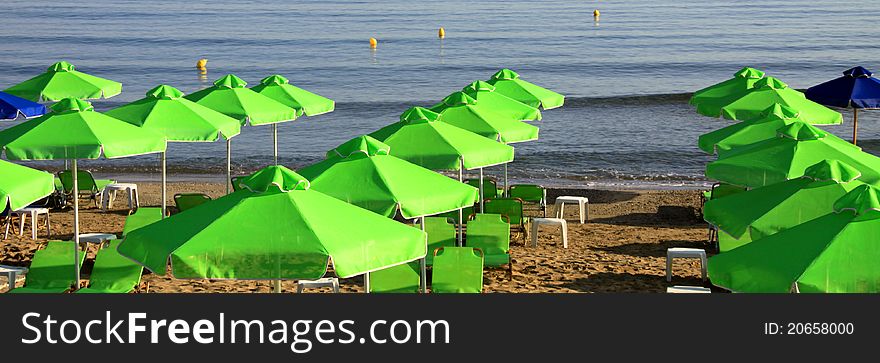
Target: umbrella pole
column 505, row 180
column 481, row 190
column 228, row 164
column 75, row 222
column 277, row 284
column 423, row 263
column 275, row 142
column 855, row 125
column 164, row 190
column 461, row 210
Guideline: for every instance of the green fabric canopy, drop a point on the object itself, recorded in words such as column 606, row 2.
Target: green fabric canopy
column 797, row 146
column 274, row 228
column 464, row 111
column 279, row 89
column 423, row 140
column 166, row 111
column 361, row 172
column 229, row 96
column 837, row 252
column 73, row 130
column 763, row 211
column 488, row 99
column 20, row 186
column 508, row 83
column 766, row 92
column 61, row 80
column 720, row 94
column 750, row 131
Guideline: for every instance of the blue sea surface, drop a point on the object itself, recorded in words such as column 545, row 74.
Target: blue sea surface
column 627, row 77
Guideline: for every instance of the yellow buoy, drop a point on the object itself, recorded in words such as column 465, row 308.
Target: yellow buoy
column 373, row 43
column 596, row 13
column 441, row 33
column 202, row 64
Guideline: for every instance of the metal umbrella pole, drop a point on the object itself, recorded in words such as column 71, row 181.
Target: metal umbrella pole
column 164, row 192
column 228, row 164
column 423, row 263
column 275, row 142
column 481, row 190
column 75, row 222
column 461, row 210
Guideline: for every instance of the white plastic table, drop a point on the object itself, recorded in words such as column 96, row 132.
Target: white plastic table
column 34, row 213
column 129, row 188
column 11, row 273
column 549, row 221
column 330, row 282
column 582, row 202
column 680, row 252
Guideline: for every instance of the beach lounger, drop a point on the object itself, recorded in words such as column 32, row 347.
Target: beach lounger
column 187, row 201
column 51, row 270
column 88, row 186
column 457, row 270
column 398, row 279
column 234, row 181
column 441, row 233
column 530, row 193
column 490, row 234
column 141, row 217
column 113, row 273
column 512, row 210
column 490, row 188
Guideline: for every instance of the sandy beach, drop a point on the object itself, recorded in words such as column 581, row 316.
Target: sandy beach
column 621, row 249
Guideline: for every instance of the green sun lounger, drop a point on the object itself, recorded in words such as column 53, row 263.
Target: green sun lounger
column 398, row 279
column 51, row 270
column 490, row 234
column 187, row 201
column 530, row 193
column 441, row 233
column 457, row 270
column 510, row 209
column 141, row 217
column 88, row 186
column 490, row 188
column 453, row 215
column 113, row 273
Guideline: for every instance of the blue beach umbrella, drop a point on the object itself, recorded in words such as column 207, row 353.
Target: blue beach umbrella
column 856, row 90
column 11, row 107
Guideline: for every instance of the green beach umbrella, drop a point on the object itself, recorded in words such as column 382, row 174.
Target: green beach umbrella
column 796, row 147
column 279, row 89
column 720, row 94
column 166, row 111
column 750, row 131
column 461, row 110
column 230, row 97
column 20, row 186
column 508, row 83
column 496, row 102
column 73, row 131
column 274, row 228
column 361, row 172
column 61, row 80
column 760, row 212
column 765, row 93
column 837, row 252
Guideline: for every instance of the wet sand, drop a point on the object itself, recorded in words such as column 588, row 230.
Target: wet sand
column 622, row 248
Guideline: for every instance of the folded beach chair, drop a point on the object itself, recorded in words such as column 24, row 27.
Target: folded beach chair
column 234, row 182
column 88, row 186
column 457, row 270
column 490, row 188
column 113, row 273
column 51, row 270
column 490, row 234
column 141, row 217
column 530, row 193
column 187, row 201
column 398, row 279
column 441, row 233
column 510, row 209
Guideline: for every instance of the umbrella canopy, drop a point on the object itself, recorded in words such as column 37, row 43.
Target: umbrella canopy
column 73, row 130
column 750, row 131
column 857, row 89
column 274, row 228
column 837, row 252
column 166, row 111
column 464, row 111
column 766, row 92
column 361, row 172
column 720, row 94
column 12, row 107
column 279, row 89
column 229, row 96
column 61, row 80
column 797, row 146
column 20, row 186
column 508, row 83
column 496, row 102
column 763, row 211
column 420, row 138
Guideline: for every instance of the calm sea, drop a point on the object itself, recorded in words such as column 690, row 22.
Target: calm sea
column 625, row 122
